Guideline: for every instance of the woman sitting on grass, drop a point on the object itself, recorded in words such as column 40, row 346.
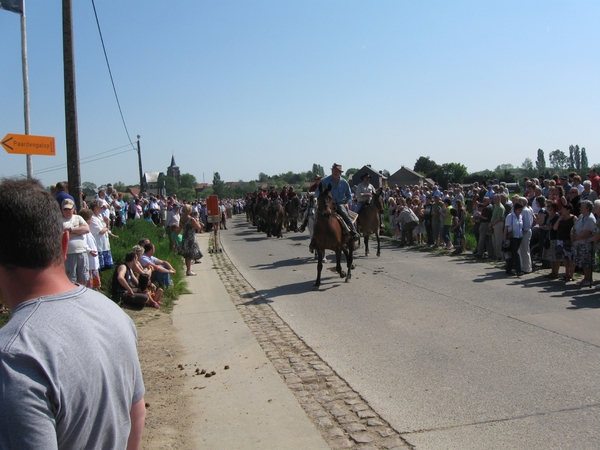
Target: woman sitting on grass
column 128, row 289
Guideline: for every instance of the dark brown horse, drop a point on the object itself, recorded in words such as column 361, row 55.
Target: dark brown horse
column 292, row 211
column 328, row 235
column 369, row 220
column 275, row 216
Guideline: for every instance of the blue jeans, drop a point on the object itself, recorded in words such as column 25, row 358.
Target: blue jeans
column 343, row 212
column 446, row 233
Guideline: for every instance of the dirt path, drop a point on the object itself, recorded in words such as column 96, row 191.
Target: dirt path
column 168, row 416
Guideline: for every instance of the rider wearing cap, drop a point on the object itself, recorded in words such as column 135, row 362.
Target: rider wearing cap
column 364, row 191
column 340, row 191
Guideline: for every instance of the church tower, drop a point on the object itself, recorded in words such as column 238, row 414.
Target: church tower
column 173, row 170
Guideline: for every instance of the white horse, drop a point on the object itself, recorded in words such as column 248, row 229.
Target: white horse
column 311, row 213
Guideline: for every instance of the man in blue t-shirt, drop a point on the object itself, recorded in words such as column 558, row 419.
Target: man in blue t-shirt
column 340, row 191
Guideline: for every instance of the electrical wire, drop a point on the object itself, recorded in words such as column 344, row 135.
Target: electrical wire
column 110, row 73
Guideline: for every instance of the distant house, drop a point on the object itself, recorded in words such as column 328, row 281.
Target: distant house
column 406, row 176
column 133, row 191
column 377, row 178
column 202, row 187
column 151, row 182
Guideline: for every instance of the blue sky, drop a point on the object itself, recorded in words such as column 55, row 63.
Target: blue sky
column 242, row 87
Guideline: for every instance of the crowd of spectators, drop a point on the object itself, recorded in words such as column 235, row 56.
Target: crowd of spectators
column 552, row 221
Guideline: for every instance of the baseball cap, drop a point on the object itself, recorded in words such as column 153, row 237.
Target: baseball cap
column 67, row 203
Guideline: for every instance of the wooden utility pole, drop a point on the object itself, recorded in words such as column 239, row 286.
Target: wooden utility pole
column 73, row 169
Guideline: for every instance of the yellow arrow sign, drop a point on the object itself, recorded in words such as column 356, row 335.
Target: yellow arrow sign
column 26, row 144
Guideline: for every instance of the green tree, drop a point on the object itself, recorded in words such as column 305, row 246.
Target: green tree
column 89, row 188
column 558, row 160
column 451, row 173
column 186, row 194
column 218, row 185
column 426, row 166
column 351, row 172
column 263, row 177
column 170, row 184
column 585, row 165
column 187, row 180
column 540, row 163
column 317, row 169
column 571, row 157
column 119, row 186
column 577, row 157
column 528, row 168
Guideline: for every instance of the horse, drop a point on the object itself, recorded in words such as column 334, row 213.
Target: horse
column 275, row 215
column 292, row 211
column 260, row 214
column 369, row 220
column 328, row 234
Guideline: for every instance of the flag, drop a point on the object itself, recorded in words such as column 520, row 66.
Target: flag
column 12, row 5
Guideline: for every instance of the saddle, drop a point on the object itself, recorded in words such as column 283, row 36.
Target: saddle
column 353, row 217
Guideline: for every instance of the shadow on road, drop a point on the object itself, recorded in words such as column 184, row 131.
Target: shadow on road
column 284, row 263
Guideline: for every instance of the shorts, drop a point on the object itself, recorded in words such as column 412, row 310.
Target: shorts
column 77, row 266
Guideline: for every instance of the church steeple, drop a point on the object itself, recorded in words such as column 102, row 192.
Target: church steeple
column 173, row 170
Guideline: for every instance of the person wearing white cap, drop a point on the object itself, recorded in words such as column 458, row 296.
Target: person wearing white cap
column 77, row 263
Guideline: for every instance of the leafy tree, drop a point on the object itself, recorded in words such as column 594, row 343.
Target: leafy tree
column 451, row 173
column 186, row 194
column 351, row 172
column 527, row 167
column 317, row 169
column 502, row 167
column 263, row 177
column 426, row 166
column 558, row 160
column 119, row 186
column 206, row 193
column 218, row 185
column 571, row 157
column 577, row 156
column 540, row 164
column 89, row 188
column 187, row 180
column 585, row 165
column 170, row 184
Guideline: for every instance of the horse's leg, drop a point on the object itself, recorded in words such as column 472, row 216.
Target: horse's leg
column 378, row 248
column 338, row 263
column 349, row 259
column 319, row 267
column 366, row 235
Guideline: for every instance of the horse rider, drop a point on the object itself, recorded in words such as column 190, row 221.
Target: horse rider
column 340, row 191
column 315, row 185
column 284, row 194
column 364, row 191
column 273, row 194
column 291, row 193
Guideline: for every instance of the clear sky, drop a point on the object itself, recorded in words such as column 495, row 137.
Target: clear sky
column 242, row 87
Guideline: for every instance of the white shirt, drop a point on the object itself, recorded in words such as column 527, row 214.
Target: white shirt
column 514, row 224
column 527, row 215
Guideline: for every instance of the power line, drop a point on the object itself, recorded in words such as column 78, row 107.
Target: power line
column 110, row 73
column 64, row 166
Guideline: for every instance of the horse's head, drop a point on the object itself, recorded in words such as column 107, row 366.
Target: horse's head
column 378, row 200
column 325, row 201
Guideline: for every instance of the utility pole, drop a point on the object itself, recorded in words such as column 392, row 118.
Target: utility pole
column 73, row 169
column 140, row 164
column 29, row 158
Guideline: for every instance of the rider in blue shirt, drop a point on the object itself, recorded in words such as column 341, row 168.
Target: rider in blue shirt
column 340, row 191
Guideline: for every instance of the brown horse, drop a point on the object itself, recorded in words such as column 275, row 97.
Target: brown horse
column 328, row 235
column 369, row 220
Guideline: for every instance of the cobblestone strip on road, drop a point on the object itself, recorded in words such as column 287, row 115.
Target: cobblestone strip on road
column 342, row 416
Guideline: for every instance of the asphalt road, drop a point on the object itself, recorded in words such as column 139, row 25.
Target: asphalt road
column 449, row 351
